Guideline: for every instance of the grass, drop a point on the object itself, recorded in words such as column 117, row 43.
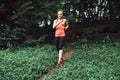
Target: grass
column 91, row 61
column 26, row 63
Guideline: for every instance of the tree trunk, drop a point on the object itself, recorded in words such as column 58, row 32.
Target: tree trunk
column 73, row 24
column 110, row 4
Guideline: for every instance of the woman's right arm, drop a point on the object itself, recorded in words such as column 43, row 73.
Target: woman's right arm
column 55, row 23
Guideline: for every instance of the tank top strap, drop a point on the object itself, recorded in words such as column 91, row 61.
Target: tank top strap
column 61, row 21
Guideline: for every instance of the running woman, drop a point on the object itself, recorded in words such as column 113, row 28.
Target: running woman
column 60, row 25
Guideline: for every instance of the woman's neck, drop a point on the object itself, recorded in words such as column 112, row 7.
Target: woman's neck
column 59, row 18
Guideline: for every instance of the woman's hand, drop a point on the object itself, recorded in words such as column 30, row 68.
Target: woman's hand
column 66, row 24
column 56, row 23
column 66, row 28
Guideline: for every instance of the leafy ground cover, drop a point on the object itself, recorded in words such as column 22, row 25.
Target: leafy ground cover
column 91, row 61
column 27, row 63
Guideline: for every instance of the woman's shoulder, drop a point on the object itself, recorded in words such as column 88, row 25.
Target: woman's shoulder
column 65, row 19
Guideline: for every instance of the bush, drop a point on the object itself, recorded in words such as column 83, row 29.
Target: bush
column 41, row 40
column 11, row 36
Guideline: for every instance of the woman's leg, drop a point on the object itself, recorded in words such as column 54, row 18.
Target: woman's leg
column 61, row 42
column 57, row 43
column 60, row 55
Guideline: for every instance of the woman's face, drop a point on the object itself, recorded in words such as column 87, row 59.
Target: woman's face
column 60, row 14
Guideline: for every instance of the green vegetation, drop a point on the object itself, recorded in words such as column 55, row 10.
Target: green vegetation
column 27, row 21
column 91, row 61
column 26, row 63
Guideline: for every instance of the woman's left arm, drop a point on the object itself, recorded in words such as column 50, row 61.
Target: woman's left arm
column 66, row 24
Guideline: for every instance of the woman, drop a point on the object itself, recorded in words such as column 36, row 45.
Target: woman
column 60, row 25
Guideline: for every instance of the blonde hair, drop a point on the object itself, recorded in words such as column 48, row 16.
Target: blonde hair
column 60, row 11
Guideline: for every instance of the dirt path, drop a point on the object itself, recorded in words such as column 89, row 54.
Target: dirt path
column 66, row 54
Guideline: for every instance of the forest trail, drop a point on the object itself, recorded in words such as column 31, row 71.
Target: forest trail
column 66, row 55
